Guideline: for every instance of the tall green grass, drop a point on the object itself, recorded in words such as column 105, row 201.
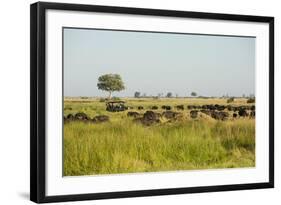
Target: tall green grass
column 122, row 146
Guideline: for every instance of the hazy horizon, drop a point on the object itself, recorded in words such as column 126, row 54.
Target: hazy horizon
column 158, row 63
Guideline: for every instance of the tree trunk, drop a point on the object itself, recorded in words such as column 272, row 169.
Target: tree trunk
column 109, row 96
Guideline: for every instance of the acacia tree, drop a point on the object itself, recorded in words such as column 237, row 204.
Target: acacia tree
column 137, row 94
column 169, row 95
column 110, row 83
column 193, row 94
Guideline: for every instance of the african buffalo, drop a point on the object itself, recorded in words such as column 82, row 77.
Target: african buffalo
column 166, row 107
column 81, row 116
column 193, row 114
column 170, row 114
column 133, row 114
column 253, row 114
column 100, row 118
column 180, row 107
column 220, row 107
column 70, row 117
column 149, row 118
column 219, row 115
column 242, row 112
column 190, row 107
column 206, row 112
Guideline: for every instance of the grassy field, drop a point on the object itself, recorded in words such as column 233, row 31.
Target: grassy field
column 124, row 146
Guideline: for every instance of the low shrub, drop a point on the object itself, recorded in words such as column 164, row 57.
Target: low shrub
column 102, row 99
column 251, row 100
column 115, row 98
column 230, row 100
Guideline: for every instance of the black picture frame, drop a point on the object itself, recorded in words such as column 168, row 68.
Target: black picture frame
column 38, row 101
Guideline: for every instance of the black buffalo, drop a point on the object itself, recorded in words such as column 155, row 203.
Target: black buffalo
column 206, row 112
column 81, row 116
column 149, row 118
column 219, row 115
column 100, row 118
column 133, row 114
column 170, row 114
column 166, row 107
column 242, row 112
column 193, row 114
column 70, row 117
column 180, row 107
column 253, row 114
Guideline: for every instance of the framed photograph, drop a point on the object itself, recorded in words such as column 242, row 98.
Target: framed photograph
column 129, row 102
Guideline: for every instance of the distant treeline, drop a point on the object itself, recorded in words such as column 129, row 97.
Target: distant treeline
column 192, row 94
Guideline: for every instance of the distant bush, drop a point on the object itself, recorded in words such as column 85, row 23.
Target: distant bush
column 137, row 94
column 102, row 99
column 169, row 95
column 251, row 100
column 83, row 97
column 203, row 97
column 229, row 100
column 116, row 98
column 193, row 94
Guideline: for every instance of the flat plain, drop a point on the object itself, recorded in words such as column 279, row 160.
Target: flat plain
column 125, row 143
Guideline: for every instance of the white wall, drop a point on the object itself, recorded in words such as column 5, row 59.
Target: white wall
column 14, row 103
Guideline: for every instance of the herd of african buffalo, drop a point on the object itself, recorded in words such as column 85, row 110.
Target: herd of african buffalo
column 218, row 112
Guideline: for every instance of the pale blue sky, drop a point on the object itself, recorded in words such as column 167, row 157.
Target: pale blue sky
column 154, row 63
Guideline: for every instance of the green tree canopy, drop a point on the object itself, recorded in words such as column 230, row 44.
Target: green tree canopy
column 193, row 94
column 137, row 94
column 169, row 95
column 110, row 83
